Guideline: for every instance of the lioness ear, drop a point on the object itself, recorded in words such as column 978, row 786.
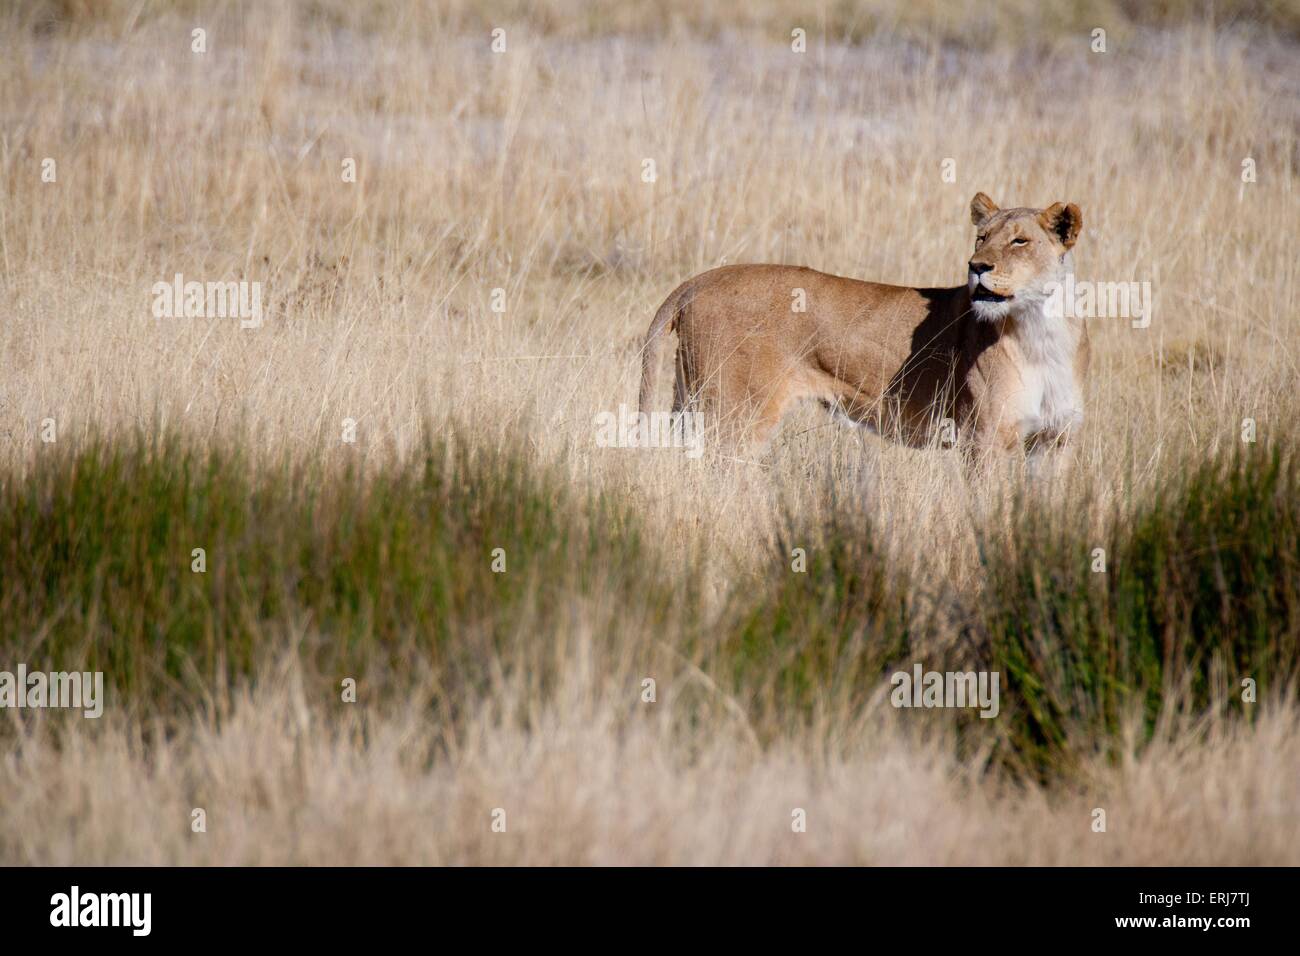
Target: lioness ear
column 1063, row 221
column 981, row 207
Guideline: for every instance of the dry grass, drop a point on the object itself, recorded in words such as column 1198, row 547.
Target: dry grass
column 522, row 171
column 592, row 781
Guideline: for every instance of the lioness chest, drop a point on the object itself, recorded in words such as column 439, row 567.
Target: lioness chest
column 1037, row 385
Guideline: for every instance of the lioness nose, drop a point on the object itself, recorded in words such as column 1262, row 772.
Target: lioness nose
column 979, row 268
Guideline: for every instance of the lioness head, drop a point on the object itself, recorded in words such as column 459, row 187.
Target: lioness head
column 1018, row 254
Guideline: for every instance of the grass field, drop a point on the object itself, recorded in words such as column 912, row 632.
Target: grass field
column 394, row 476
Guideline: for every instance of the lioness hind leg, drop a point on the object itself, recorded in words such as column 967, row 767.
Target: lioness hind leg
column 744, row 431
column 741, row 404
column 753, row 418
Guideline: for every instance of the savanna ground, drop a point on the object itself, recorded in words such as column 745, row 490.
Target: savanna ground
column 523, row 691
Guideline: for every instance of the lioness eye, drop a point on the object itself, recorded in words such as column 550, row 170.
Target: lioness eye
column 1020, row 242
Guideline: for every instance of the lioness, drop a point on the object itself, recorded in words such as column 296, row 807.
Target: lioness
column 987, row 359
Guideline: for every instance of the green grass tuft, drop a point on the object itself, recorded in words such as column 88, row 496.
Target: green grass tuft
column 389, row 574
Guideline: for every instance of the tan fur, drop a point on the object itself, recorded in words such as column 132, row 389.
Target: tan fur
column 1006, row 374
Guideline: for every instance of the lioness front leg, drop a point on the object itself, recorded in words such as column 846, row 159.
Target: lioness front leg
column 1049, row 453
column 990, row 447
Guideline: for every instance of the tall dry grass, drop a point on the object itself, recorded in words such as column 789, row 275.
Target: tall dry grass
column 522, row 171
column 588, row 781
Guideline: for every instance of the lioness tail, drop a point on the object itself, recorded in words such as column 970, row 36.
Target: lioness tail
column 665, row 319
